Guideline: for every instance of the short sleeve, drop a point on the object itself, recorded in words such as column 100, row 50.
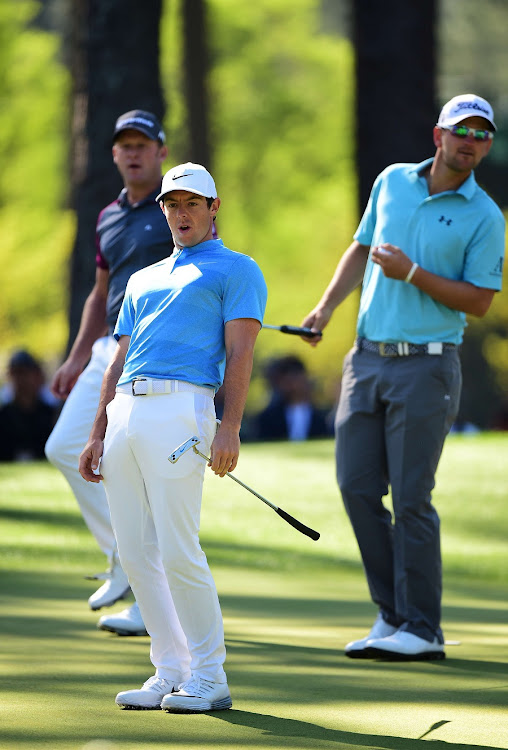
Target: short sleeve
column 100, row 260
column 485, row 256
column 365, row 231
column 125, row 321
column 245, row 291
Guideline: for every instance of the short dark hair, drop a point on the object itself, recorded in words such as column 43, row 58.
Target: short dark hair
column 287, row 365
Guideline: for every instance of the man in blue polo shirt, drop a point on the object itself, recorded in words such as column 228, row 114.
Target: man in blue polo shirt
column 430, row 249
column 187, row 325
column 131, row 233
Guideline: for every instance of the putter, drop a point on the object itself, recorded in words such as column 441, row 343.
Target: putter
column 295, row 330
column 193, row 442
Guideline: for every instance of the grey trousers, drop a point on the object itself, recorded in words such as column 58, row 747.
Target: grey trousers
column 393, row 416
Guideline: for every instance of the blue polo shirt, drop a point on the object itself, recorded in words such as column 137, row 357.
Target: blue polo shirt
column 175, row 312
column 457, row 234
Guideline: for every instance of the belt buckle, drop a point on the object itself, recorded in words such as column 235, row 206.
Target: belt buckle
column 382, row 351
column 435, row 347
column 138, row 380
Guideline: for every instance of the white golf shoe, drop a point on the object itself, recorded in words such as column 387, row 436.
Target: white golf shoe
column 149, row 697
column 359, row 649
column 196, row 696
column 116, row 587
column 126, row 622
column 404, row 646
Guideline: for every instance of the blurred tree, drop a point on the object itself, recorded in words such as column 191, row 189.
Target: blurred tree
column 464, row 34
column 282, row 96
column 115, row 68
column 466, row 37
column 36, row 234
column 395, row 85
column 196, row 65
column 282, row 89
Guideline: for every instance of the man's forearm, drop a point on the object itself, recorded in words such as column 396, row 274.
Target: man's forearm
column 240, row 336
column 348, row 275
column 454, row 293
column 459, row 295
column 236, row 388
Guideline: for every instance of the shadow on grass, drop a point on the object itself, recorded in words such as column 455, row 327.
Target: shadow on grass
column 32, row 585
column 274, row 726
column 257, row 557
column 273, row 729
column 66, row 519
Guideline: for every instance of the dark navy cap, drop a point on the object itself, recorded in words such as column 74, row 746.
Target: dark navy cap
column 144, row 122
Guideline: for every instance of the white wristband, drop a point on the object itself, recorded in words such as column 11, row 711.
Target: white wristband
column 411, row 273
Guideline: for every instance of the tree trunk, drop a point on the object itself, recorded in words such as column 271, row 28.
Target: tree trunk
column 115, row 68
column 196, row 65
column 395, row 84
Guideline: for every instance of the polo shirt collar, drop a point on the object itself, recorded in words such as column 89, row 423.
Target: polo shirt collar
column 202, row 246
column 199, row 248
column 124, row 203
column 467, row 189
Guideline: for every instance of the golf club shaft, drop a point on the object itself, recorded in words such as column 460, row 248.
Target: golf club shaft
column 294, row 330
column 239, row 481
column 282, row 513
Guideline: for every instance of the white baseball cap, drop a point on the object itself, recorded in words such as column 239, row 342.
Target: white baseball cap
column 190, row 177
column 463, row 106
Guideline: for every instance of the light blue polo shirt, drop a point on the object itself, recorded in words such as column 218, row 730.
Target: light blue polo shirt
column 458, row 234
column 175, row 311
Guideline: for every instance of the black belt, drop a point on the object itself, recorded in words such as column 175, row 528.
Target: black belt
column 403, row 348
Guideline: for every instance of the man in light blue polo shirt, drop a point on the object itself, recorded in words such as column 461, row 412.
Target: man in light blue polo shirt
column 187, row 324
column 430, row 250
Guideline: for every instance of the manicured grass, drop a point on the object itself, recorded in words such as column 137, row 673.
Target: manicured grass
column 290, row 604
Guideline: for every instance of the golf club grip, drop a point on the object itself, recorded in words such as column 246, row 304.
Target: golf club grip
column 298, row 525
column 299, row 331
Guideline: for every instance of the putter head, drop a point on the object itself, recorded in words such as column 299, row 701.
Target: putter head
column 183, row 448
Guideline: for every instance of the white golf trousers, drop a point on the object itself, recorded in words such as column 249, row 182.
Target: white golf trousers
column 155, row 510
column 70, row 436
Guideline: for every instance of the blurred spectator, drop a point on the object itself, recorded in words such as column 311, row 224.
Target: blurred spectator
column 7, row 390
column 464, row 427
column 291, row 413
column 26, row 420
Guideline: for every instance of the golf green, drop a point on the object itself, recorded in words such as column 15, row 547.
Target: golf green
column 289, row 603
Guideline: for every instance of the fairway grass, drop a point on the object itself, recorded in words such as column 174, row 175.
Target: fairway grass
column 289, row 604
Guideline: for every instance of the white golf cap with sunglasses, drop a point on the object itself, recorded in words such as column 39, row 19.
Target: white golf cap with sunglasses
column 463, row 106
column 190, row 177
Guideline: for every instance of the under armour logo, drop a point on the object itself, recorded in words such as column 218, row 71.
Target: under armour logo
column 148, row 227
column 446, row 221
column 499, row 266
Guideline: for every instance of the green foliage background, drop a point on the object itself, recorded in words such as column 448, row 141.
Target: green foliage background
column 36, row 231
column 282, row 101
column 282, row 137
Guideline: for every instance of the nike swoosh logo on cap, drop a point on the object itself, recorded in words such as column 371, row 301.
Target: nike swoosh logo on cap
column 179, row 176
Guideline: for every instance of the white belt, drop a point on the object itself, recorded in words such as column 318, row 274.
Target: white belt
column 151, row 387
